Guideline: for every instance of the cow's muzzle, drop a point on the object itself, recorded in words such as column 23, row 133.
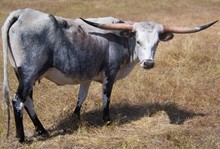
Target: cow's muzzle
column 148, row 64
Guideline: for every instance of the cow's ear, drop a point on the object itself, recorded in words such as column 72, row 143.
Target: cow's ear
column 166, row 36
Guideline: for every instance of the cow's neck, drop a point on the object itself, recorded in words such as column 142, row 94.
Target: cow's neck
column 133, row 56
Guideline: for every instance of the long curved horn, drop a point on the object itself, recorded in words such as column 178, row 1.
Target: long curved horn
column 184, row 30
column 117, row 26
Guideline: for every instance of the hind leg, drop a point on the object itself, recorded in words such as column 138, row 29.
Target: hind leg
column 18, row 103
column 29, row 107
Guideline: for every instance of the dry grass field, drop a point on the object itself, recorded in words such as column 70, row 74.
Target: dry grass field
column 175, row 105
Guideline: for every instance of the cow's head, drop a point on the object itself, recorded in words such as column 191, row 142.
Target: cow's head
column 148, row 35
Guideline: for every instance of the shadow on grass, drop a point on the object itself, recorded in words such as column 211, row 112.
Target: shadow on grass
column 121, row 114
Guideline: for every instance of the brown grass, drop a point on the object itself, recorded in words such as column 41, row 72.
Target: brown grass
column 175, row 105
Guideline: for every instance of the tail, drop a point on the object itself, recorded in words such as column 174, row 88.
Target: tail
column 12, row 18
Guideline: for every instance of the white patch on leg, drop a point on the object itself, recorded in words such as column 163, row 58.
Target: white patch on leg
column 18, row 104
column 104, row 96
column 83, row 92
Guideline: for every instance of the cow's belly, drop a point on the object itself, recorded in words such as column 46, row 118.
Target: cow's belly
column 59, row 78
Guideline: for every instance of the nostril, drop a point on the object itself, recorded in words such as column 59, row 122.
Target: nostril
column 148, row 64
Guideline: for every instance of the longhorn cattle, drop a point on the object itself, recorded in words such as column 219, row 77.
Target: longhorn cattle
column 69, row 51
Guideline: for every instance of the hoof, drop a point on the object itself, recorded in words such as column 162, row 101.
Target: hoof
column 106, row 119
column 44, row 133
column 77, row 111
column 21, row 140
column 25, row 141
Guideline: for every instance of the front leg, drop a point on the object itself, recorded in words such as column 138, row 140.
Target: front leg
column 83, row 92
column 107, row 89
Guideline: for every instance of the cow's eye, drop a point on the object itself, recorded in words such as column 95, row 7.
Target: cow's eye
column 138, row 42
